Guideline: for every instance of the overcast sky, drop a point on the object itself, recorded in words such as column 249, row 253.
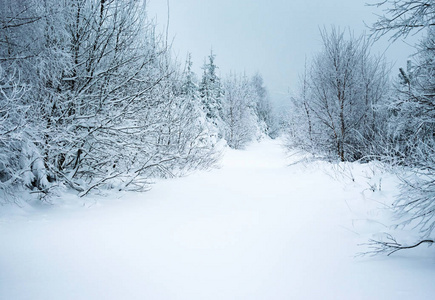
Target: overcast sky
column 272, row 37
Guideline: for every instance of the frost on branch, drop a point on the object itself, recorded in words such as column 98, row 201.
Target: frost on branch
column 401, row 17
column 91, row 98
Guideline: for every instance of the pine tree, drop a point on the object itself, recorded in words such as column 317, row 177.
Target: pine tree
column 190, row 87
column 211, row 91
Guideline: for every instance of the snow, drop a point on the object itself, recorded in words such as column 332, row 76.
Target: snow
column 256, row 228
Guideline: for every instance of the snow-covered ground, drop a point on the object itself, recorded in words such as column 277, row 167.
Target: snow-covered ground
column 254, row 229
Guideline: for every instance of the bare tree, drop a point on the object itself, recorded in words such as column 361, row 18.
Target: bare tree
column 338, row 96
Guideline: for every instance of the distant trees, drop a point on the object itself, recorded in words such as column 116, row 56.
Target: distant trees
column 247, row 113
column 237, row 106
column 263, row 106
column 239, row 111
column 335, row 109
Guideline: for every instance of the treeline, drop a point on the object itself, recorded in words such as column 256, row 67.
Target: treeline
column 238, row 106
column 90, row 97
column 348, row 108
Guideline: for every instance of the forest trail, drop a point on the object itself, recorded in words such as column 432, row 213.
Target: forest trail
column 255, row 228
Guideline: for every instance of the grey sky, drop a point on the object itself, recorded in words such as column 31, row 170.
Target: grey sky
column 272, row 37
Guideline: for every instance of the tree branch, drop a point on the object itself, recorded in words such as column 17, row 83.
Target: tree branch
column 390, row 246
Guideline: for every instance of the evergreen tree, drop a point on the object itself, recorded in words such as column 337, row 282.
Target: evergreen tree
column 211, row 92
column 197, row 116
column 190, row 87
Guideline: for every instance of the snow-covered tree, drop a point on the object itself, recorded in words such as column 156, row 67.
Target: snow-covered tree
column 99, row 95
column 190, row 91
column 338, row 95
column 412, row 136
column 263, row 106
column 32, row 62
column 211, row 92
column 13, row 165
column 299, row 130
column 239, row 111
column 411, row 111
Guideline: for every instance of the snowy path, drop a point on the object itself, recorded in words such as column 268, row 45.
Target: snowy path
column 254, row 229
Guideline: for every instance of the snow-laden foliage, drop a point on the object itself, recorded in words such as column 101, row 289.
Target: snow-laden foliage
column 239, row 111
column 263, row 106
column 410, row 143
column 345, row 110
column 246, row 110
column 412, row 136
column 15, row 159
column 334, row 113
column 403, row 17
column 237, row 106
column 211, row 92
column 90, row 97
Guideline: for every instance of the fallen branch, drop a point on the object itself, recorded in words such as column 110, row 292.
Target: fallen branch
column 391, row 246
